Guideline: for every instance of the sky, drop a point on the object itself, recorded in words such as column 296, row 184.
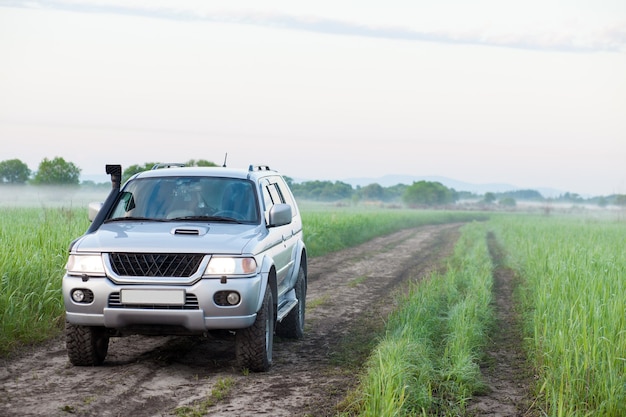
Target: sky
column 529, row 93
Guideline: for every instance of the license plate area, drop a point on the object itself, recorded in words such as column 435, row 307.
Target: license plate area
column 153, row 297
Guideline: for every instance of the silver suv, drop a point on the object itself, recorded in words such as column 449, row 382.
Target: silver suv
column 188, row 251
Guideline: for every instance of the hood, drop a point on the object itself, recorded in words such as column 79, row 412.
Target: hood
column 171, row 237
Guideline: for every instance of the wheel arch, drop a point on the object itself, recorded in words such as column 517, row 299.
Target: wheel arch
column 301, row 259
column 268, row 265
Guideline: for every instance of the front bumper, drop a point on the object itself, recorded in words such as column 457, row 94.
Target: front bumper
column 205, row 314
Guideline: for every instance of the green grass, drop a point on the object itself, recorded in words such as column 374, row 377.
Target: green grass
column 35, row 243
column 573, row 308
column 220, row 390
column 427, row 362
column 574, row 304
column 329, row 229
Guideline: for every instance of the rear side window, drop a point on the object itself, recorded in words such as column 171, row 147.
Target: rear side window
column 285, row 193
column 275, row 194
column 275, row 191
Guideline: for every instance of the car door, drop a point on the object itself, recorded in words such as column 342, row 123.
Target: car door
column 282, row 236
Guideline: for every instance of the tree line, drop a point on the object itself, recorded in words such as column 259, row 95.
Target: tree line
column 57, row 171
column 51, row 172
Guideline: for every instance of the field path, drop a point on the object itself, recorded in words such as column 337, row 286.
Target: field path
column 350, row 293
column 505, row 371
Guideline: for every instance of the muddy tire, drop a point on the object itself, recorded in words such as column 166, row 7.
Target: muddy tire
column 254, row 344
column 86, row 345
column 292, row 326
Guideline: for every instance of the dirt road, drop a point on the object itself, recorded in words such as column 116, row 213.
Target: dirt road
column 349, row 294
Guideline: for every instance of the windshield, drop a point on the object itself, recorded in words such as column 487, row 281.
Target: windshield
column 187, row 198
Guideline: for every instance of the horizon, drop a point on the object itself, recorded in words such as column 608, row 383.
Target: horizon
column 479, row 189
column 58, row 195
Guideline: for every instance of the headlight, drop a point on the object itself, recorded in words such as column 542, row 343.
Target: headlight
column 85, row 265
column 231, row 266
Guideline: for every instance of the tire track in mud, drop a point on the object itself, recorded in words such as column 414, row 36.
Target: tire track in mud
column 504, row 371
column 152, row 376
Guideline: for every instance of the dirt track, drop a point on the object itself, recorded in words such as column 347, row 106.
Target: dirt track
column 349, row 292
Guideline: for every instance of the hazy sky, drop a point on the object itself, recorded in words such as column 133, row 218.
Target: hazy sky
column 531, row 93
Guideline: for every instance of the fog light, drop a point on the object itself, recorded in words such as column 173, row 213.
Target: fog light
column 233, row 298
column 78, row 296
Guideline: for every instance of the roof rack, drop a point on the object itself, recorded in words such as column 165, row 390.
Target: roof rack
column 168, row 165
column 259, row 168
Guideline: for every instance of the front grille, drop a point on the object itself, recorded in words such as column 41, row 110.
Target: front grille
column 191, row 303
column 155, row 264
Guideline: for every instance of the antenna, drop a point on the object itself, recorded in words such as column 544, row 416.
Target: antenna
column 225, row 156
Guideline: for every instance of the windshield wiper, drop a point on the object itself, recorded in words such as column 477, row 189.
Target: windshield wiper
column 133, row 219
column 206, row 218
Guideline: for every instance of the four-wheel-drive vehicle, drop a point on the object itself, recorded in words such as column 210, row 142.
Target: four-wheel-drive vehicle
column 188, row 251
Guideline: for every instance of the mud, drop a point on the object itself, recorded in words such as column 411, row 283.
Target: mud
column 505, row 371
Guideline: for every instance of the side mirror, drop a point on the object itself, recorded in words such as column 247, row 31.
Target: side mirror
column 94, row 209
column 279, row 215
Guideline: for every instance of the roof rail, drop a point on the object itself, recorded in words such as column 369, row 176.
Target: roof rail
column 168, row 165
column 259, row 168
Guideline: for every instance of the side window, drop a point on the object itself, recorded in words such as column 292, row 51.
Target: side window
column 271, row 194
column 274, row 194
column 267, row 198
column 276, row 191
column 125, row 204
column 285, row 193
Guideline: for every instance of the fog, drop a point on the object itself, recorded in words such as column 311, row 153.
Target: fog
column 51, row 196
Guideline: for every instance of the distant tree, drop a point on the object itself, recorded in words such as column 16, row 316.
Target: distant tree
column 57, row 171
column 14, row 171
column 429, row 194
column 489, row 198
column 602, row 202
column 134, row 169
column 289, row 181
column 507, row 202
column 395, row 192
column 147, row 166
column 323, row 190
column 337, row 191
column 528, row 195
column 620, row 200
column 201, row 163
column 467, row 195
column 372, row 192
column 571, row 197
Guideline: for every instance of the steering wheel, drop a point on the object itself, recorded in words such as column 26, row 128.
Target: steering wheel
column 229, row 213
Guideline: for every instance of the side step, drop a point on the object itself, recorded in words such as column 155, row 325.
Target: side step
column 287, row 305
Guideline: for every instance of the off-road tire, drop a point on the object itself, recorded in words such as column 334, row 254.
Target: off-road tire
column 254, row 344
column 86, row 345
column 292, row 326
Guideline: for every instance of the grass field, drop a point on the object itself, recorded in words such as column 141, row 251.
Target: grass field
column 572, row 304
column 573, row 312
column 574, row 309
column 34, row 251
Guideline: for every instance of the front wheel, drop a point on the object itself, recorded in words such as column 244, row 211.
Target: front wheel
column 254, row 344
column 86, row 345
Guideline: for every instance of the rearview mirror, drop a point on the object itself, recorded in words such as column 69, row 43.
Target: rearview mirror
column 279, row 215
column 94, row 209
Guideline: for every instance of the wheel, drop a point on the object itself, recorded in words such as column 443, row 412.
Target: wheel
column 86, row 346
column 292, row 326
column 253, row 345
